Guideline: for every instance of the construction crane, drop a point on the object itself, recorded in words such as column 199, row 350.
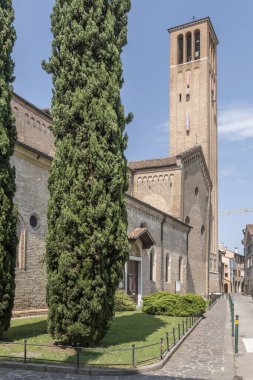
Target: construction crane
column 240, row 211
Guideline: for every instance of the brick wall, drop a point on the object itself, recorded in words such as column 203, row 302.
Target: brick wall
column 31, row 199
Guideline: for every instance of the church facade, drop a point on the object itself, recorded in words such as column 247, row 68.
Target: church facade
column 171, row 202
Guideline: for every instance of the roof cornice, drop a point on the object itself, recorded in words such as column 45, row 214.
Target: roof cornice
column 162, row 214
column 32, row 107
column 191, row 152
column 196, row 22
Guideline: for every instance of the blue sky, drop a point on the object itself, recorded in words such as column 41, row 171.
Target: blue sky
column 146, row 89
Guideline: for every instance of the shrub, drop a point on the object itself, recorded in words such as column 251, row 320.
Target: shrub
column 123, row 302
column 180, row 305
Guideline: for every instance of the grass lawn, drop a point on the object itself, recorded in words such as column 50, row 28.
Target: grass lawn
column 127, row 328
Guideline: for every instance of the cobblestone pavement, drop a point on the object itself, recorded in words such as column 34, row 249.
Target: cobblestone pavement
column 201, row 356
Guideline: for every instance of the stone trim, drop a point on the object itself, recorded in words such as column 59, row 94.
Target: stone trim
column 150, row 212
column 193, row 155
column 195, row 23
column 24, row 152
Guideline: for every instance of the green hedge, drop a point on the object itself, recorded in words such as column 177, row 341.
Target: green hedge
column 179, row 305
column 123, row 302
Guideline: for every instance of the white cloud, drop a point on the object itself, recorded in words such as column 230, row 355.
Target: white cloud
column 236, row 122
column 162, row 133
column 165, row 126
column 228, row 172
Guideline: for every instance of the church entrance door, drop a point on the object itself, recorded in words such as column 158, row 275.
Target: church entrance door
column 132, row 279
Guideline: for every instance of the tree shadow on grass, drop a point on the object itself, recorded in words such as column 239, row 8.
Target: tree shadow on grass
column 125, row 328
column 135, row 327
column 26, row 330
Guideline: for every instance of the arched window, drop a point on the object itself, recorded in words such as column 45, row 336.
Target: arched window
column 189, row 47
column 21, row 246
column 180, row 47
column 152, row 265
column 167, row 268
column 197, row 44
column 180, row 269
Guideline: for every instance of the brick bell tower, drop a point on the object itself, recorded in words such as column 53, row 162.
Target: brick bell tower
column 193, row 108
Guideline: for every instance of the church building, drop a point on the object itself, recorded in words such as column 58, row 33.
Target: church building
column 171, row 201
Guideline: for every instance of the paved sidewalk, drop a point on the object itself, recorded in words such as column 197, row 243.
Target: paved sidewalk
column 206, row 354
column 244, row 359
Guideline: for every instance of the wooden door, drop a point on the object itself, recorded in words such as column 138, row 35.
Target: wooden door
column 132, row 279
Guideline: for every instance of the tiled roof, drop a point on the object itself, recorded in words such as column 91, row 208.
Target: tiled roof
column 152, row 163
column 144, row 235
column 135, row 234
column 162, row 162
column 34, row 150
column 189, row 151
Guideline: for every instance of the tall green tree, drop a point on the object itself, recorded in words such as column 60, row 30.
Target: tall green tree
column 87, row 243
column 8, row 238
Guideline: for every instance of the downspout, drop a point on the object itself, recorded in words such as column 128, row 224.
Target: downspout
column 187, row 260
column 209, row 242
column 162, row 253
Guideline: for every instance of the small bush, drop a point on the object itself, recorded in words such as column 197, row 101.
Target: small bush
column 123, row 302
column 176, row 305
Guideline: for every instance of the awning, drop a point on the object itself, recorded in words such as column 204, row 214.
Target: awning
column 142, row 234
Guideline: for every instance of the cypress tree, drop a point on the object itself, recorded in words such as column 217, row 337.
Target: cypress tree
column 87, row 243
column 8, row 238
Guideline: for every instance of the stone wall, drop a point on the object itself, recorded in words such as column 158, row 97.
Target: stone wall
column 174, row 244
column 160, row 188
column 196, row 208
column 33, row 126
column 31, row 199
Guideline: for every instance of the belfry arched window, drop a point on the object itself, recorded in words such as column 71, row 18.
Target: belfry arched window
column 189, row 47
column 180, row 47
column 197, row 44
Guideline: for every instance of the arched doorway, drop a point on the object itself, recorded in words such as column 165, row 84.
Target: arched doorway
column 225, row 288
column 134, row 272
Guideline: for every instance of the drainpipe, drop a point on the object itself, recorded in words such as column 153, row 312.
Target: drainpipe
column 162, row 253
column 187, row 261
column 209, row 241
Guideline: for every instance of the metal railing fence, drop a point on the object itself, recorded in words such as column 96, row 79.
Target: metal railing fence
column 79, row 356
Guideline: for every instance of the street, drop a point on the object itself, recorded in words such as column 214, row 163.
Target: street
column 244, row 359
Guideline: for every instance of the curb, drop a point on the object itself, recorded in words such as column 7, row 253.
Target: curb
column 96, row 371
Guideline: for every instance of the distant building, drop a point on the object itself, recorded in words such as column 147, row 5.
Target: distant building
column 232, row 270
column 248, row 258
column 239, row 273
